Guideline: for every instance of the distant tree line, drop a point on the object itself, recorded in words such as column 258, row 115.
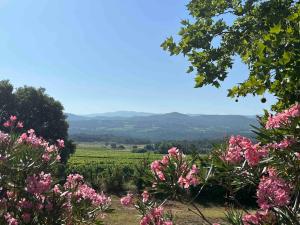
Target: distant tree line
column 108, row 138
column 188, row 147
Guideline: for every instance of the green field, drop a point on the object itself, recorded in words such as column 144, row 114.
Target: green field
column 108, row 169
column 89, row 154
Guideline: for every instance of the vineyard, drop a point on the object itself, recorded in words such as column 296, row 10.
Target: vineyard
column 87, row 155
column 109, row 169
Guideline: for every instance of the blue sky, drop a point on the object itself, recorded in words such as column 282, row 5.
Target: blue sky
column 105, row 55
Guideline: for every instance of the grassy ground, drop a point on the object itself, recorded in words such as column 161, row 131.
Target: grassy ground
column 129, row 216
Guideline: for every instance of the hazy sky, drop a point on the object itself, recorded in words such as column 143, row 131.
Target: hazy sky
column 105, row 55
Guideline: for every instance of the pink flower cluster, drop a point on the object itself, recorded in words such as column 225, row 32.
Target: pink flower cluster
column 187, row 176
column 127, row 200
column 73, row 181
column 284, row 118
column 85, row 192
column 50, row 151
column 155, row 217
column 241, row 148
column 284, row 144
column 273, row 191
column 12, row 122
column 4, row 138
column 190, row 179
column 10, row 220
column 251, row 219
column 260, row 217
column 145, row 196
column 75, row 184
column 38, row 184
column 25, row 204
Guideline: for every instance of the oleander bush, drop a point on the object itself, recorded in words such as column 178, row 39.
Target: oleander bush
column 30, row 192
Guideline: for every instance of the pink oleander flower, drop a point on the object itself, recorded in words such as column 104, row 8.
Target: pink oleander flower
column 145, row 196
column 4, row 138
column 20, row 125
column 23, row 137
column 155, row 217
column 127, row 200
column 241, row 148
column 250, row 219
column 10, row 220
column 61, row 143
column 173, row 151
column 51, row 148
column 73, row 180
column 190, row 179
column 13, row 118
column 285, row 143
column 156, row 166
column 161, row 175
column 46, row 157
column 10, row 194
column 283, row 118
column 56, row 189
column 165, row 160
column 272, row 172
column 186, row 174
column 145, row 220
column 169, row 223
column 273, row 191
column 157, row 212
column 12, row 122
column 37, row 184
column 31, row 139
column 58, row 158
column 252, row 155
column 7, row 124
column 25, row 204
column 87, row 193
column 237, row 146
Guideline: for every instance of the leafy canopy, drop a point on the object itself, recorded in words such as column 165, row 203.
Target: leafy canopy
column 264, row 34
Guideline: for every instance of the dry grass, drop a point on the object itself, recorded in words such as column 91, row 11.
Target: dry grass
column 129, row 216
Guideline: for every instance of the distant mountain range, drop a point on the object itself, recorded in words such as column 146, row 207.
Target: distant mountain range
column 120, row 114
column 157, row 127
column 123, row 114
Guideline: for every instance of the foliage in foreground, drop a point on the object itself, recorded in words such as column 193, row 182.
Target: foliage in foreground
column 30, row 192
column 264, row 34
column 271, row 166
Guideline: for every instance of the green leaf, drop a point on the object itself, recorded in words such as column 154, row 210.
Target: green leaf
column 276, row 29
column 286, row 58
column 199, row 80
column 260, row 50
column 190, row 69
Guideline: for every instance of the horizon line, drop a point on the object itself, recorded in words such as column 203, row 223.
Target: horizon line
column 161, row 113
